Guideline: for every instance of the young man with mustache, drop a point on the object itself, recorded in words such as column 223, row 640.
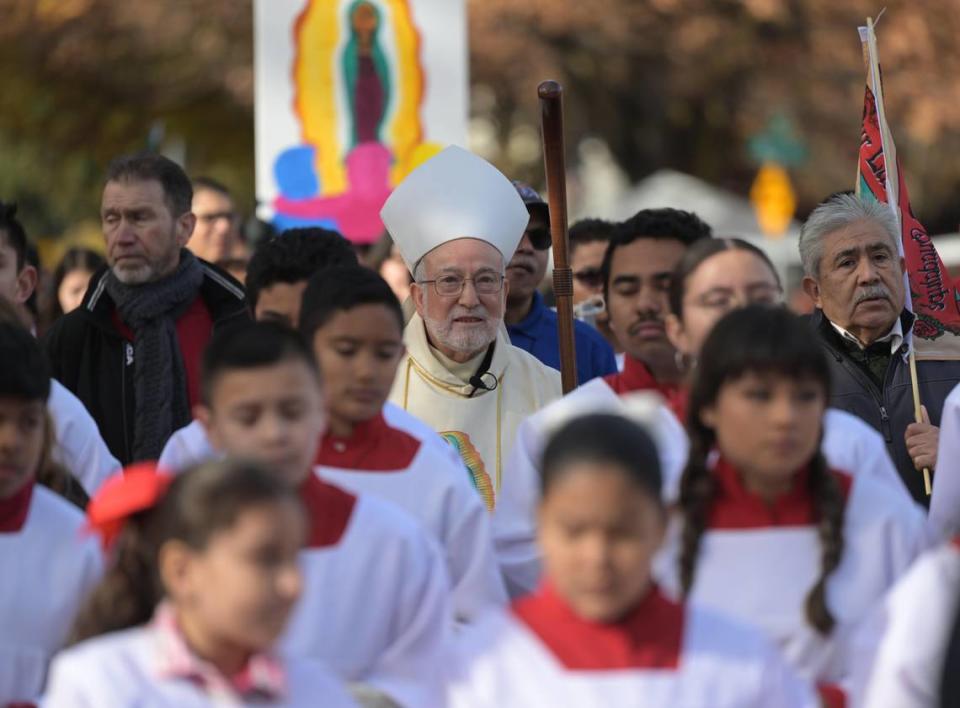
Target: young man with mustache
column 457, row 221
column 854, row 274
column 637, row 269
column 532, row 325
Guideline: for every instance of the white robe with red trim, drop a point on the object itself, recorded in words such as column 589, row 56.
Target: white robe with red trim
column 945, row 500
column 375, row 602
column 191, row 446
column 540, row 655
column 120, row 670
column 47, row 567
column 390, row 464
column 521, row 566
column 849, row 444
column 758, row 570
column 915, row 623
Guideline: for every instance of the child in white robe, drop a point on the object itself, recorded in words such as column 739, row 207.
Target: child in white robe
column 375, row 606
column 712, row 277
column 919, row 635
column 47, row 565
column 767, row 531
column 203, row 580
column 277, row 275
column 354, row 323
column 599, row 632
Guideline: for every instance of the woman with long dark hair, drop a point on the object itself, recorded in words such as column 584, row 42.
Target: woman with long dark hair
column 69, row 282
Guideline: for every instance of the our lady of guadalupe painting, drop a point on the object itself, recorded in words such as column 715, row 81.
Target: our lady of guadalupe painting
column 351, row 96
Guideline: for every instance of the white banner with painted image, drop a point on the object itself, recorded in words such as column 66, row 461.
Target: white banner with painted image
column 351, row 95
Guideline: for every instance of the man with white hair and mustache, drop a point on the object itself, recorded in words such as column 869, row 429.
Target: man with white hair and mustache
column 854, row 274
column 457, row 222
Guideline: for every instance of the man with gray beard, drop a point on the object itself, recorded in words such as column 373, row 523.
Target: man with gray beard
column 457, row 221
column 131, row 351
column 854, row 274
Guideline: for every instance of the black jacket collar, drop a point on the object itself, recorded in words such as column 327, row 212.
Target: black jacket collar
column 222, row 294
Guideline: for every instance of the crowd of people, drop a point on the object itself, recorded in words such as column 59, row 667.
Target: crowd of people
column 238, row 474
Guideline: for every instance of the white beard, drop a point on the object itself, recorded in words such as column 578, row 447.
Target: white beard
column 464, row 339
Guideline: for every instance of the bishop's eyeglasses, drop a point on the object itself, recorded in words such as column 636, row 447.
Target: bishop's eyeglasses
column 452, row 285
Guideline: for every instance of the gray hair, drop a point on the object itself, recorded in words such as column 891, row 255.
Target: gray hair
column 838, row 212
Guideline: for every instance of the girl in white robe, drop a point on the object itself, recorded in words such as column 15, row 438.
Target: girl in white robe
column 204, row 576
column 354, row 323
column 713, row 277
column 47, row 564
column 766, row 531
column 599, row 632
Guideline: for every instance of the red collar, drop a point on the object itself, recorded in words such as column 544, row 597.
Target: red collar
column 735, row 507
column 650, row 637
column 372, row 447
column 329, row 509
column 15, row 509
column 637, row 377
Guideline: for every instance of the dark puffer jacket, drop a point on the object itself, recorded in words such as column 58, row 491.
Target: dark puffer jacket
column 888, row 409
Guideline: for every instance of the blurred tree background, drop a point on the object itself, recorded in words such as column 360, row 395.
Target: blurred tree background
column 663, row 83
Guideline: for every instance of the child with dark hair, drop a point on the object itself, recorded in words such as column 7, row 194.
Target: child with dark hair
column 768, row 531
column 598, row 631
column 276, row 278
column 353, row 321
column 18, row 278
column 279, row 268
column 375, row 603
column 75, row 445
column 46, row 566
column 204, row 576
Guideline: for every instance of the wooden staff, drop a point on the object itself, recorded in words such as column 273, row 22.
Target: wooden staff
column 551, row 122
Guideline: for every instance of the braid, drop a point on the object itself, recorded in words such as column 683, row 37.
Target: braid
column 696, row 492
column 829, row 505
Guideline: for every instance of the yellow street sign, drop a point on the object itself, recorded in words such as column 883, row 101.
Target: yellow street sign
column 773, row 199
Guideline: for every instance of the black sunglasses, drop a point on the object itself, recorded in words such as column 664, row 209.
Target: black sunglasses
column 540, row 238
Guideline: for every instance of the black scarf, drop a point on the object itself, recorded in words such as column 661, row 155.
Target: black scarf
column 159, row 376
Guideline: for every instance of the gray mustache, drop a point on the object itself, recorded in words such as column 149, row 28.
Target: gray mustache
column 872, row 292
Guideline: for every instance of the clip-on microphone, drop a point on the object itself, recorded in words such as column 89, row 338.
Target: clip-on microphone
column 477, row 380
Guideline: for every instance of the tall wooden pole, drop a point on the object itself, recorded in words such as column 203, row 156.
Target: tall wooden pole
column 551, row 121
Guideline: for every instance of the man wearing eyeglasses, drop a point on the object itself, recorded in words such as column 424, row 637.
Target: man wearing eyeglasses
column 587, row 241
column 532, row 326
column 216, row 237
column 457, row 222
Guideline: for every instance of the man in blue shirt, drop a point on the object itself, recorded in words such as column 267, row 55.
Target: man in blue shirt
column 531, row 324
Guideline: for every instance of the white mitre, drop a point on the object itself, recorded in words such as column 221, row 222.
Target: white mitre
column 453, row 195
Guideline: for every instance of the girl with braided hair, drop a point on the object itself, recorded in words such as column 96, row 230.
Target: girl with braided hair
column 766, row 530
